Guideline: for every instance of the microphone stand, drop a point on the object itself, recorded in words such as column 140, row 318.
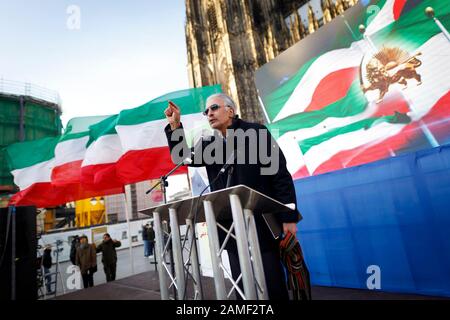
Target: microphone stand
column 164, row 184
column 163, row 180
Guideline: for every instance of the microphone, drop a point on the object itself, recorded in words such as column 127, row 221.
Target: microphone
column 228, row 163
column 186, row 161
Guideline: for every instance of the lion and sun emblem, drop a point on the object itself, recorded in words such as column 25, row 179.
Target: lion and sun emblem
column 390, row 66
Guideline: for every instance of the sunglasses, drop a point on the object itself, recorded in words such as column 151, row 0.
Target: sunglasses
column 213, row 107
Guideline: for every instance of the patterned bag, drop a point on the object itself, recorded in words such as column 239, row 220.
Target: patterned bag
column 298, row 275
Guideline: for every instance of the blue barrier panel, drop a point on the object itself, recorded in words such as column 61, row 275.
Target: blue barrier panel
column 393, row 213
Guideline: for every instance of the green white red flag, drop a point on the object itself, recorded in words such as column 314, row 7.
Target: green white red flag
column 99, row 155
column 316, row 105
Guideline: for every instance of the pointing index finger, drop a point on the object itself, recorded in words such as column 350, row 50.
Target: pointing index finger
column 173, row 106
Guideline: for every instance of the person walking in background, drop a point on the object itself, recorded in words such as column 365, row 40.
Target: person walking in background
column 73, row 248
column 145, row 240
column 109, row 256
column 86, row 260
column 47, row 264
column 151, row 240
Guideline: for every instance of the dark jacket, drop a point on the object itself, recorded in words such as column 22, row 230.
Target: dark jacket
column 73, row 250
column 86, row 258
column 144, row 233
column 150, row 234
column 47, row 258
column 108, row 250
column 279, row 186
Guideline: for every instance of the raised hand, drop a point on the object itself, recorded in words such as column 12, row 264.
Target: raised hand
column 173, row 115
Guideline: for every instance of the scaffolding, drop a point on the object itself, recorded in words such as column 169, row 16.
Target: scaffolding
column 90, row 212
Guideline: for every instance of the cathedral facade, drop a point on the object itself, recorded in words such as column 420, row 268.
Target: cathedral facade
column 227, row 40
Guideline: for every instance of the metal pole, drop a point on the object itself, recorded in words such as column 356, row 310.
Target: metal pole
column 159, row 247
column 194, row 259
column 13, row 253
column 242, row 246
column 163, row 188
column 256, row 256
column 189, row 183
column 177, row 253
column 22, row 119
column 106, row 216
column 213, row 238
column 127, row 214
column 170, row 251
column 56, row 267
column 429, row 11
column 441, row 26
column 164, row 184
column 59, row 274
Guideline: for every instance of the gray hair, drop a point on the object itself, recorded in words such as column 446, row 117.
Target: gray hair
column 225, row 98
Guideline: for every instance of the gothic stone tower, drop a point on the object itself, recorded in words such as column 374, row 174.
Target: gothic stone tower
column 227, row 40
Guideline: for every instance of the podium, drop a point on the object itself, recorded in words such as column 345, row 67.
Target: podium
column 239, row 204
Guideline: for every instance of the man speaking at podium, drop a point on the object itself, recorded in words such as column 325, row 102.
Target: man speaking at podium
column 220, row 111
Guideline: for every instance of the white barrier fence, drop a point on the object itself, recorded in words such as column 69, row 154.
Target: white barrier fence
column 119, row 231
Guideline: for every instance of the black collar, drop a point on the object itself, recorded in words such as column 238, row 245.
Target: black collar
column 236, row 123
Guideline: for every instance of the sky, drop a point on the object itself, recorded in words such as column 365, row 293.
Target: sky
column 100, row 56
